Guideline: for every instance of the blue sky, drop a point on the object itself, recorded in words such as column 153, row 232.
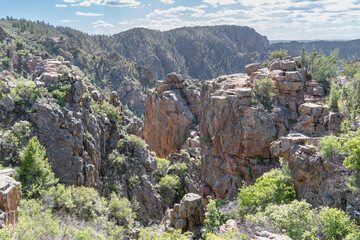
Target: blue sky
column 276, row 19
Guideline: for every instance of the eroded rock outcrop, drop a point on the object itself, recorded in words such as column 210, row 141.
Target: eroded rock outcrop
column 235, row 136
column 171, row 114
column 10, row 195
column 189, row 214
column 319, row 180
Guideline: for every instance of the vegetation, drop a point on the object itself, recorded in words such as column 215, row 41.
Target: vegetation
column 35, row 171
column 299, row 221
column 214, row 218
column 263, row 91
column 169, row 187
column 281, row 54
column 273, row 187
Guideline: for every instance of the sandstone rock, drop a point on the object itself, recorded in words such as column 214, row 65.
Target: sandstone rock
column 230, row 225
column 10, row 195
column 250, row 68
column 78, row 90
column 189, row 213
column 169, row 116
column 288, row 65
column 275, row 65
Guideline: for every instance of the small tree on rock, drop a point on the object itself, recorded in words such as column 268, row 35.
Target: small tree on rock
column 35, row 172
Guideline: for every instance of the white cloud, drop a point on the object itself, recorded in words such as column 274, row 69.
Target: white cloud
column 70, row 1
column 215, row 3
column 179, row 11
column 89, row 14
column 101, row 23
column 168, row 1
column 68, row 21
column 109, row 3
column 60, row 5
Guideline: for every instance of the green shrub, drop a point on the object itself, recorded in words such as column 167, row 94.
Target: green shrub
column 88, row 234
column 36, row 222
column 275, row 187
column 214, row 218
column 228, row 235
column 350, row 98
column 263, row 90
column 6, row 62
column 352, row 147
column 178, row 168
column 168, row 187
column 299, row 221
column 120, row 211
column 152, row 234
column 334, row 223
column 323, row 68
column 85, row 203
column 35, row 171
column 330, row 145
column 334, row 97
column 132, row 141
column 162, row 167
column 111, row 111
column 282, row 53
column 351, row 68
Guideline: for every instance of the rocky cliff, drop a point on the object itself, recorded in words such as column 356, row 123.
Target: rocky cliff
column 236, row 131
column 89, row 139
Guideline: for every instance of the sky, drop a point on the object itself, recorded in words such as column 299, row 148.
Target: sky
column 276, row 19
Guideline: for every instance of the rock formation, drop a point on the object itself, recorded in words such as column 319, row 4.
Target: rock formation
column 171, row 114
column 319, row 180
column 189, row 214
column 10, row 195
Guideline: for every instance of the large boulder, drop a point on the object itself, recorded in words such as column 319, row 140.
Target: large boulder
column 10, row 195
column 190, row 213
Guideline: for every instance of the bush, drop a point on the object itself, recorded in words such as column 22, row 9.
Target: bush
column 263, row 90
column 152, row 234
column 282, row 53
column 229, row 235
column 162, row 167
column 111, row 111
column 351, row 69
column 350, row 99
column 299, row 221
column 214, row 218
column 334, row 223
column 275, row 187
column 323, row 68
column 168, row 187
column 36, row 222
column 330, row 145
column 178, row 168
column 334, row 97
column 120, row 211
column 35, row 171
column 85, row 203
column 132, row 141
column 352, row 147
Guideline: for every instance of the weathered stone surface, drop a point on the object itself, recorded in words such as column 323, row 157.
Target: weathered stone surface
column 7, row 103
column 10, row 195
column 170, row 114
column 232, row 133
column 189, row 213
column 319, row 180
column 250, row 68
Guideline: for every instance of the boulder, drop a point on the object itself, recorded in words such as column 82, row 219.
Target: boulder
column 189, row 213
column 7, row 103
column 250, row 68
column 10, row 195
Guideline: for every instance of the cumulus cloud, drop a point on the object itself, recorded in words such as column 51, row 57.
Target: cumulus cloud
column 179, row 11
column 89, row 14
column 101, row 23
column 60, row 5
column 168, row 1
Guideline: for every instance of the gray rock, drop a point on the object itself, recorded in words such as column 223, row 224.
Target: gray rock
column 250, row 68
column 8, row 103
